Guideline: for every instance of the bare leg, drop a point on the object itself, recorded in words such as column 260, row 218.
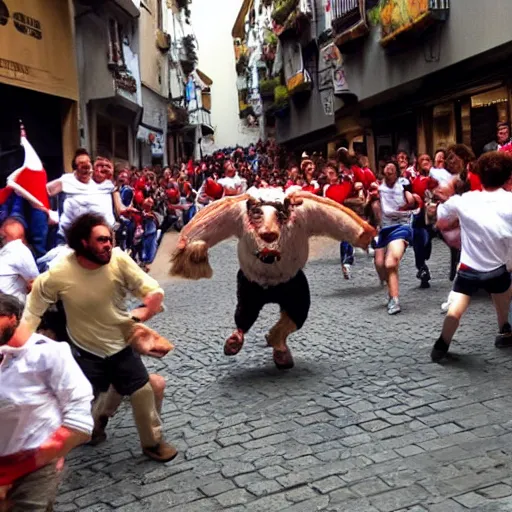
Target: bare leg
column 158, row 384
column 457, row 308
column 380, row 257
column 277, row 337
column 501, row 303
column 394, row 253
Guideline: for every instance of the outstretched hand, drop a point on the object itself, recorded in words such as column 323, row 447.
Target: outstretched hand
column 148, row 342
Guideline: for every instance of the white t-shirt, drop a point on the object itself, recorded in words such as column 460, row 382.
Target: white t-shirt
column 17, row 267
column 442, row 176
column 86, row 198
column 234, row 183
column 486, row 227
column 391, row 200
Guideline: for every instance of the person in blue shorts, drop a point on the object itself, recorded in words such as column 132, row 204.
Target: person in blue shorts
column 396, row 205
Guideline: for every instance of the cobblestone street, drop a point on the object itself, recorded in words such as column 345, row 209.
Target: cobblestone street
column 363, row 423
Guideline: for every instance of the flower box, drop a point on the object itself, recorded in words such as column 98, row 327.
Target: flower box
column 400, row 18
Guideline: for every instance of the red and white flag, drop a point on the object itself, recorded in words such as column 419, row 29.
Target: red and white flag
column 28, row 181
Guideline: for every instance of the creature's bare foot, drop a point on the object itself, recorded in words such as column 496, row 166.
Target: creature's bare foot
column 234, row 343
column 278, row 335
column 283, row 358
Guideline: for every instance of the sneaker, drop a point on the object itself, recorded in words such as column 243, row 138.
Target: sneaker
column 394, row 306
column 346, row 270
column 439, row 350
column 445, row 306
column 504, row 337
column 162, row 452
column 424, row 276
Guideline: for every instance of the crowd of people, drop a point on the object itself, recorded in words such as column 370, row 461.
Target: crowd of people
column 104, row 227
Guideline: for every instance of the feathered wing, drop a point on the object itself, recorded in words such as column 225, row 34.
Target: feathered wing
column 213, row 224
column 324, row 217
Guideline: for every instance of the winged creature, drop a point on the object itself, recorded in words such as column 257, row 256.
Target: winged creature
column 273, row 230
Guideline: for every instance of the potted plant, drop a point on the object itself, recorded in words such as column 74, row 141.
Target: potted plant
column 189, row 54
column 268, row 86
column 282, row 10
column 281, row 101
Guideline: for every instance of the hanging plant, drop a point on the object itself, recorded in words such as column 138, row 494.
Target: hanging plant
column 281, row 96
column 373, row 15
column 267, row 87
column 189, row 57
column 270, row 38
column 283, row 9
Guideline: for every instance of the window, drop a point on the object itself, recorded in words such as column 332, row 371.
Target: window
column 113, row 138
column 115, row 45
column 159, row 15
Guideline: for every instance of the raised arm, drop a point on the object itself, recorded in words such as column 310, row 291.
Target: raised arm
column 213, row 224
column 54, row 187
column 323, row 217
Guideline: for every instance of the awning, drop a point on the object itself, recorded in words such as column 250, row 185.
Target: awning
column 239, row 27
column 132, row 7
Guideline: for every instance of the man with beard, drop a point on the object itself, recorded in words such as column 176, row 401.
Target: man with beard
column 45, row 405
column 107, row 340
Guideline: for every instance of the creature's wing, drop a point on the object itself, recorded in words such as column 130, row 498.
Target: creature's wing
column 213, row 224
column 324, row 217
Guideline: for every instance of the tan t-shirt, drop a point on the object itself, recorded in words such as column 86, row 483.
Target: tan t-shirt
column 94, row 300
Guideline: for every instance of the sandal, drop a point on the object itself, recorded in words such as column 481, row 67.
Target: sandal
column 234, row 343
column 283, row 359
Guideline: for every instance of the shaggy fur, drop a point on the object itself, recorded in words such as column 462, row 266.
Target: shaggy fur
column 301, row 216
column 191, row 262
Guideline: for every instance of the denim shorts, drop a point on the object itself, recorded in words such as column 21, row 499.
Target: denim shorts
column 469, row 281
column 391, row 233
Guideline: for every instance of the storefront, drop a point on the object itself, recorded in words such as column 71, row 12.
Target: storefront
column 38, row 82
column 110, row 87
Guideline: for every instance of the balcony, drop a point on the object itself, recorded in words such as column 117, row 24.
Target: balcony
column 177, row 115
column 349, row 21
column 201, row 117
column 131, row 7
column 402, row 20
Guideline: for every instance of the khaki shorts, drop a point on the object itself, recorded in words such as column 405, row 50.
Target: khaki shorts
column 34, row 492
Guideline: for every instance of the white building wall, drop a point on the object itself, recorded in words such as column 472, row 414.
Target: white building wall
column 213, row 22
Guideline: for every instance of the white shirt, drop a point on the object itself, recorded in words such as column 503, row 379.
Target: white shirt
column 41, row 389
column 391, row 200
column 86, row 198
column 17, row 268
column 486, row 227
column 234, row 183
column 442, row 176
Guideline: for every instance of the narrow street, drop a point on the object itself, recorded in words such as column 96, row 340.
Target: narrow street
column 363, row 423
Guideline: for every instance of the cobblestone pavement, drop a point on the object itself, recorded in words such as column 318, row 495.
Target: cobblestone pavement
column 363, row 423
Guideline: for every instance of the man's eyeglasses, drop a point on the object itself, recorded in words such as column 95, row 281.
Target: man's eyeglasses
column 105, row 239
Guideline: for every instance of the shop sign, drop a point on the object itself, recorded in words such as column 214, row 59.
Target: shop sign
column 399, row 17
column 153, row 138
column 36, row 46
column 331, row 73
